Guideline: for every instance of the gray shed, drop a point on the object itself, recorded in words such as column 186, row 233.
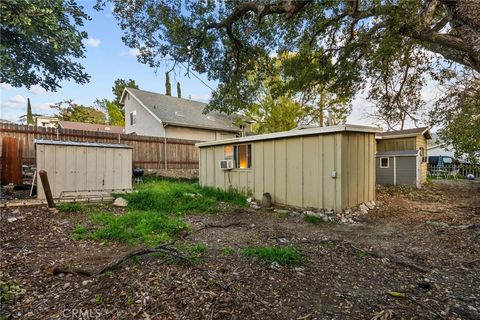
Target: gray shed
column 323, row 167
column 84, row 169
column 398, row 167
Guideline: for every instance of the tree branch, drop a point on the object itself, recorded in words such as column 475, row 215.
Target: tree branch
column 429, row 12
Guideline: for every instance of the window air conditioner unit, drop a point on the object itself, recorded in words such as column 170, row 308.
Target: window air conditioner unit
column 226, row 164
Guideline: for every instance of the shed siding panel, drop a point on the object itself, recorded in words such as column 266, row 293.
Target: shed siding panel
column 210, row 162
column 117, row 174
column 219, row 176
column 109, row 170
column 328, row 167
column 203, row 166
column 101, row 168
column 372, row 146
column 243, row 181
column 396, row 144
column 321, row 173
column 49, row 167
column 293, row 171
column 338, row 168
column 362, row 168
column 40, row 154
column 268, row 167
column 353, row 168
column 422, row 143
column 92, row 171
column 280, row 171
column 311, row 182
column 385, row 175
column 358, row 167
column 129, row 170
column 258, row 173
column 60, row 170
column 81, row 169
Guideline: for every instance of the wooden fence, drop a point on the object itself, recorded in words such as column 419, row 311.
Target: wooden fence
column 148, row 152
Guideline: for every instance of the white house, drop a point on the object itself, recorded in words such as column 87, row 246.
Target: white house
column 153, row 114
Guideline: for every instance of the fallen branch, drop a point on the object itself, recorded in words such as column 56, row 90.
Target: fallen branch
column 164, row 248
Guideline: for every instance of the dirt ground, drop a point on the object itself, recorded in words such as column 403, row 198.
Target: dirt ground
column 424, row 244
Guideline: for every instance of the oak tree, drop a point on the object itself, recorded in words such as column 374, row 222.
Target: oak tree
column 41, row 42
column 227, row 39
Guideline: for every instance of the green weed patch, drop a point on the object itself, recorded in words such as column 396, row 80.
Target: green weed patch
column 134, row 227
column 175, row 197
column 70, row 207
column 313, row 219
column 281, row 255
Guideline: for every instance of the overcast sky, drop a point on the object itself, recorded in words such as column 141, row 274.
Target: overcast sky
column 107, row 59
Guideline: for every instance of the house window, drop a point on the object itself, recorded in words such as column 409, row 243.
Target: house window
column 242, row 155
column 384, row 163
column 133, row 117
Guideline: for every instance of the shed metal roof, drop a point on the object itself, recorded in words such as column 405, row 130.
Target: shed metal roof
column 82, row 144
column 293, row 133
column 182, row 112
column 398, row 153
column 405, row 133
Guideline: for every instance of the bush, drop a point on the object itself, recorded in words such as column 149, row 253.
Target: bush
column 175, row 197
column 70, row 207
column 133, row 227
column 281, row 255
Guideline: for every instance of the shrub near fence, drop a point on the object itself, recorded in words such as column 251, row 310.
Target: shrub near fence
column 148, row 152
column 453, row 170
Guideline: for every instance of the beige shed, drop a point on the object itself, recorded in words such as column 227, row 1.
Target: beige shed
column 325, row 167
column 84, row 169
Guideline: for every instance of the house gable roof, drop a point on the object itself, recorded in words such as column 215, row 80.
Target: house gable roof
column 181, row 112
column 425, row 131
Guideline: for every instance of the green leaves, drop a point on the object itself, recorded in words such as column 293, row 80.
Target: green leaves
column 338, row 44
column 119, row 86
column 41, row 42
column 459, row 112
column 70, row 111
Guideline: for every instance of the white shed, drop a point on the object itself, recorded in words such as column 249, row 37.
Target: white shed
column 84, row 169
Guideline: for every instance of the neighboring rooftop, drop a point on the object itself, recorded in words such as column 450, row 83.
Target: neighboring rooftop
column 405, row 133
column 294, row 133
column 89, row 126
column 182, row 112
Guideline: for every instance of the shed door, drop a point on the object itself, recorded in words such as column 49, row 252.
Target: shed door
column 406, row 170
